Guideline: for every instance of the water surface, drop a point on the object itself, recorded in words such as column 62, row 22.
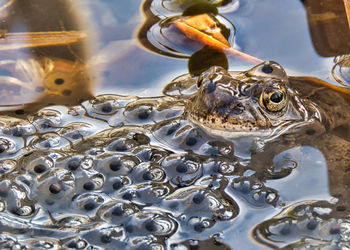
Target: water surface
column 107, row 173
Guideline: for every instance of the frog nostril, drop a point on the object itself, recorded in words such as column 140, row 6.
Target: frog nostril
column 236, row 111
column 267, row 69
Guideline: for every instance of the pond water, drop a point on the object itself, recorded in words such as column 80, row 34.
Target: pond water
column 269, row 30
column 94, row 156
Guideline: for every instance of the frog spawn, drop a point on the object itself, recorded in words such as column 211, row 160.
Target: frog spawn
column 120, row 172
column 79, row 176
column 309, row 218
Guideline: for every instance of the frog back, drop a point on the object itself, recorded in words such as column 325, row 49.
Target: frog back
column 331, row 101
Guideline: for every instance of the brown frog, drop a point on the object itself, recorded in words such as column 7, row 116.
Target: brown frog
column 264, row 104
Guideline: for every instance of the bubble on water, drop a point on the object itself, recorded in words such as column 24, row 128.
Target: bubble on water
column 49, row 141
column 282, row 167
column 156, row 224
column 171, row 7
column 180, row 135
column 77, row 244
column 73, row 222
column 104, row 105
column 117, row 212
column 7, row 166
column 150, row 153
column 145, row 172
column 89, row 202
column 139, row 113
column 210, row 243
column 36, row 163
column 227, row 168
column 182, row 170
column 77, row 131
column 285, row 229
column 9, row 146
column 47, row 120
column 106, row 237
column 88, row 182
column 107, row 107
column 254, row 192
column 198, row 225
column 341, row 70
column 54, row 190
column 19, row 129
column 113, row 164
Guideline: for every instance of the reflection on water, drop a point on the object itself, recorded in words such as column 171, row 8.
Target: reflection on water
column 129, row 172
column 329, row 30
column 41, row 62
column 341, row 70
column 38, row 82
column 199, row 27
column 310, row 219
column 159, row 34
column 329, row 27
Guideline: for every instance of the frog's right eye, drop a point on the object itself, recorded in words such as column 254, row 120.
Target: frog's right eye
column 274, row 98
column 209, row 86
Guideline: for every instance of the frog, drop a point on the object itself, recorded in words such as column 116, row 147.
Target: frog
column 267, row 107
column 283, row 112
column 262, row 102
column 172, row 166
column 250, row 116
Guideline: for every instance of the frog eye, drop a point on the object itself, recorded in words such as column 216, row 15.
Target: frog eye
column 274, row 100
column 209, row 86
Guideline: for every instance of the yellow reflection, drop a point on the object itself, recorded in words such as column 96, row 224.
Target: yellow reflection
column 42, row 61
column 13, row 41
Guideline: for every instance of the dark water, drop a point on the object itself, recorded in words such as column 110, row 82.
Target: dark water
column 120, row 172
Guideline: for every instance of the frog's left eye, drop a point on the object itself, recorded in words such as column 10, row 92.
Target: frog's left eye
column 274, row 99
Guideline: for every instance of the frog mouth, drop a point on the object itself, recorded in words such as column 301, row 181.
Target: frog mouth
column 259, row 123
column 267, row 134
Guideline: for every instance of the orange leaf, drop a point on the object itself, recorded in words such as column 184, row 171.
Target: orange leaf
column 202, row 28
